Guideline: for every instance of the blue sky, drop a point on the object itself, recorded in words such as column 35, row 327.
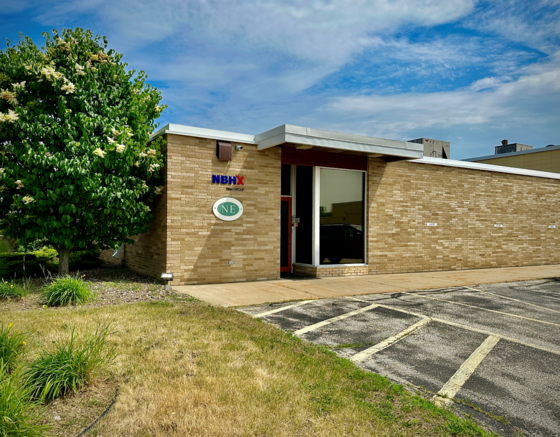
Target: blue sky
column 465, row 71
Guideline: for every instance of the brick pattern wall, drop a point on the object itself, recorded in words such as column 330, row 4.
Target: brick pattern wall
column 199, row 245
column 329, row 271
column 466, row 204
column 107, row 256
column 547, row 160
column 148, row 253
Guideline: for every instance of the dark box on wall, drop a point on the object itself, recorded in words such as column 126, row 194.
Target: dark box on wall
column 223, row 151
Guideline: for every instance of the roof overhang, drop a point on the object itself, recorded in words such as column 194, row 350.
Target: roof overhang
column 190, row 131
column 306, row 136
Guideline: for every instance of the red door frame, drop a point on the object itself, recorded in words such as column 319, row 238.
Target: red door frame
column 288, row 268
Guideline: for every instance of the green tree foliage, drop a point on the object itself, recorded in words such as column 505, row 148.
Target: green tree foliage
column 76, row 165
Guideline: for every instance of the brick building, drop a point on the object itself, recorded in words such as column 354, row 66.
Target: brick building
column 523, row 156
column 320, row 203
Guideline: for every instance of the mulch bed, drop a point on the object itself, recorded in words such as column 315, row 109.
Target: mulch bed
column 112, row 285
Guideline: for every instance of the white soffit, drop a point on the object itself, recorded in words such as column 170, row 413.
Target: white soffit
column 487, row 167
column 335, row 140
column 190, row 131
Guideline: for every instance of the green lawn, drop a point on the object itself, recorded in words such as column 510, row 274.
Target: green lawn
column 187, row 368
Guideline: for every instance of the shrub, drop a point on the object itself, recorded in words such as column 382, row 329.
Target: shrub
column 4, row 248
column 17, row 412
column 67, row 290
column 70, row 366
column 12, row 290
column 18, row 264
column 11, row 347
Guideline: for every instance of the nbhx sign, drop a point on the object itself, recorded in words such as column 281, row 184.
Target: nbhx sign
column 227, row 180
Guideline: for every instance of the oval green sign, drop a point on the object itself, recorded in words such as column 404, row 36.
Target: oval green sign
column 227, row 209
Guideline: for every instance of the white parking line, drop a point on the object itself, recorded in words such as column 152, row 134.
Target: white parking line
column 481, row 308
column 459, row 325
column 361, row 356
column 516, row 300
column 334, row 319
column 277, row 310
column 451, row 387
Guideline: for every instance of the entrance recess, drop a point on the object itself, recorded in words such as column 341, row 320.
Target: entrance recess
column 286, row 235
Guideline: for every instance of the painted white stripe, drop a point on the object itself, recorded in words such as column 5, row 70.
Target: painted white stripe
column 515, row 300
column 482, row 308
column 451, row 387
column 333, row 319
column 361, row 356
column 277, row 310
column 466, row 327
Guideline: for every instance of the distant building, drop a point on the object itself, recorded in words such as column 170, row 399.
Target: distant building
column 510, row 148
column 434, row 148
column 523, row 156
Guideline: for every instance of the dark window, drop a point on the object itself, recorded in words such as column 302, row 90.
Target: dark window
column 342, row 216
column 286, row 180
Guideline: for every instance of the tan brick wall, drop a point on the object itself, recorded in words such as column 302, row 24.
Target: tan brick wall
column 466, row 204
column 107, row 256
column 329, row 271
column 199, row 245
column 148, row 253
column 547, row 160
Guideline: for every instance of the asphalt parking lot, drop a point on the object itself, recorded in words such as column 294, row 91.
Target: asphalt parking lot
column 492, row 351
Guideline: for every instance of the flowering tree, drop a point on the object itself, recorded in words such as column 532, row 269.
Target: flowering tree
column 76, row 164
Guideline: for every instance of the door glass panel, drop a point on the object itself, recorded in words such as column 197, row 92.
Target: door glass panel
column 285, row 186
column 285, row 234
column 342, row 216
column 304, row 211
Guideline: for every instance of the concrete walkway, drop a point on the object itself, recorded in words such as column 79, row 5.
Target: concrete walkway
column 252, row 293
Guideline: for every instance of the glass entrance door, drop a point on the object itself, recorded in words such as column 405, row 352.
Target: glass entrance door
column 286, row 235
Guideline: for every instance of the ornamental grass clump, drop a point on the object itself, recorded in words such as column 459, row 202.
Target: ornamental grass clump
column 12, row 346
column 67, row 290
column 11, row 290
column 18, row 413
column 70, row 365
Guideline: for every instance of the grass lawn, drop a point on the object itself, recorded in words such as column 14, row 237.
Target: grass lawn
column 187, row 368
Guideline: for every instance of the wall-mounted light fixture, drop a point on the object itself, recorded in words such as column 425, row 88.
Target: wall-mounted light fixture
column 238, row 147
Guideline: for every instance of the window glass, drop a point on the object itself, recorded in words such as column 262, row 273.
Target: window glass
column 304, row 211
column 342, row 216
column 286, row 180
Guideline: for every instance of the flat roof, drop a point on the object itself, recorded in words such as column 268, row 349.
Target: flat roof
column 488, row 167
column 190, row 131
column 304, row 136
column 521, row 152
column 350, row 142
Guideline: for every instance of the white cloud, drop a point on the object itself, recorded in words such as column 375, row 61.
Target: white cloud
column 325, row 31
column 529, row 102
column 534, row 22
column 364, row 66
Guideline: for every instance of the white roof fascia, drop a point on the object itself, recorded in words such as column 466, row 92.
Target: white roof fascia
column 487, row 167
column 336, row 140
column 505, row 155
column 190, row 131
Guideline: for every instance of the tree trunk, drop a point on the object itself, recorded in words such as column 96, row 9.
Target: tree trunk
column 63, row 257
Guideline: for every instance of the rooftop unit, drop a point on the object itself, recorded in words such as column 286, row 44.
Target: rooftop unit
column 434, row 148
column 505, row 147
